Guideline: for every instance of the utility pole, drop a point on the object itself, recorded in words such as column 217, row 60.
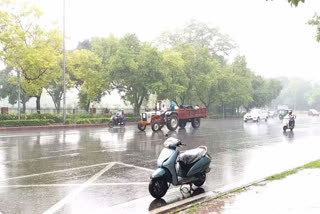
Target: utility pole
column 18, row 77
column 64, row 65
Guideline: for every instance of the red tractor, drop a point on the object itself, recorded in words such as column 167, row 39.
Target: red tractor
column 172, row 119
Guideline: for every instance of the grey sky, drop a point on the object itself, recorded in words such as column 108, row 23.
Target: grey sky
column 272, row 35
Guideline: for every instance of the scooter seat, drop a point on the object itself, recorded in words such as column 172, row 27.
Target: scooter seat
column 193, row 155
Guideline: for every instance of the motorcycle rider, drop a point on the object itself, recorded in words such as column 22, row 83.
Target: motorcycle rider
column 291, row 117
column 119, row 116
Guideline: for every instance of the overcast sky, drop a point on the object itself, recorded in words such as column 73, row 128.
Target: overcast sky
column 272, row 35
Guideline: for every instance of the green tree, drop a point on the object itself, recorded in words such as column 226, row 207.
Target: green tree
column 10, row 90
column 206, row 79
column 174, row 79
column 294, row 2
column 135, row 70
column 274, row 87
column 201, row 35
column 315, row 21
column 28, row 48
column 85, row 70
column 241, row 84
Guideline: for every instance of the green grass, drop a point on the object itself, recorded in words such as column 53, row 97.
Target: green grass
column 259, row 184
column 194, row 208
column 283, row 174
column 313, row 164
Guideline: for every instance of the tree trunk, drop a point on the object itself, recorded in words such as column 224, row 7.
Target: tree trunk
column 38, row 104
column 24, row 106
column 136, row 109
column 58, row 107
column 88, row 106
column 223, row 111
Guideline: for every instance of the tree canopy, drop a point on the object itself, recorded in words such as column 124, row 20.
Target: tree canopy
column 189, row 66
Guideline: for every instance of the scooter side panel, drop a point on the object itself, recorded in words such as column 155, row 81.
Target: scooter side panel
column 170, row 164
column 199, row 166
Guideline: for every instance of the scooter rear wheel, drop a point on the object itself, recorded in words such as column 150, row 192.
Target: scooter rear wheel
column 158, row 187
column 201, row 180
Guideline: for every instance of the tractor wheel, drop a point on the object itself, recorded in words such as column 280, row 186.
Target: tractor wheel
column 141, row 127
column 161, row 126
column 172, row 122
column 182, row 123
column 196, row 123
column 155, row 126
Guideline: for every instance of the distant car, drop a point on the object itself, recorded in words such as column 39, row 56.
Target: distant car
column 313, row 112
column 271, row 114
column 256, row 115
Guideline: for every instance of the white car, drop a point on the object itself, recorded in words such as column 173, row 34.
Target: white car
column 256, row 115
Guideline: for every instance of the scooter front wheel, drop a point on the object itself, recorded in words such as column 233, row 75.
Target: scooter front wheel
column 110, row 124
column 158, row 187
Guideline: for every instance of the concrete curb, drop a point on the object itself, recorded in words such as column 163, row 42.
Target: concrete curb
column 70, row 126
column 183, row 205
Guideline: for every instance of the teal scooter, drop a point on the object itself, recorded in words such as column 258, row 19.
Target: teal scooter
column 189, row 167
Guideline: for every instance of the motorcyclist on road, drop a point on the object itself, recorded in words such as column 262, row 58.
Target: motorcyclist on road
column 119, row 116
column 291, row 117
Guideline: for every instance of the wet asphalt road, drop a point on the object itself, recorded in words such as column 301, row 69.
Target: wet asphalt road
column 102, row 170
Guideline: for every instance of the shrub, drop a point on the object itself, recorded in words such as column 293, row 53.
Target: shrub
column 92, row 120
column 8, row 116
column 15, row 123
column 56, row 118
column 133, row 119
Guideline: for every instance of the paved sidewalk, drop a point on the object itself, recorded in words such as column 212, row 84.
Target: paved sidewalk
column 297, row 193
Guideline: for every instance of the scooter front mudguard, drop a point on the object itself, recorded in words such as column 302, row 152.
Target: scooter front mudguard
column 200, row 166
column 160, row 172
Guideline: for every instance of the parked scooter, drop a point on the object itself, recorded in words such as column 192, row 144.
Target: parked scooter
column 288, row 122
column 189, row 167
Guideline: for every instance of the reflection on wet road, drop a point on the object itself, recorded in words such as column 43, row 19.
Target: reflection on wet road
column 93, row 170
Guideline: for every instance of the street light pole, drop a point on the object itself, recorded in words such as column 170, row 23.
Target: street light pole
column 18, row 77
column 64, row 66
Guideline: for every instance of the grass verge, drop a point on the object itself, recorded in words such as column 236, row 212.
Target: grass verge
column 313, row 164
column 199, row 205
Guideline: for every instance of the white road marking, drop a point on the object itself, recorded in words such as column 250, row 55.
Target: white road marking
column 138, row 167
column 76, row 168
column 71, row 185
column 52, row 172
column 73, row 194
